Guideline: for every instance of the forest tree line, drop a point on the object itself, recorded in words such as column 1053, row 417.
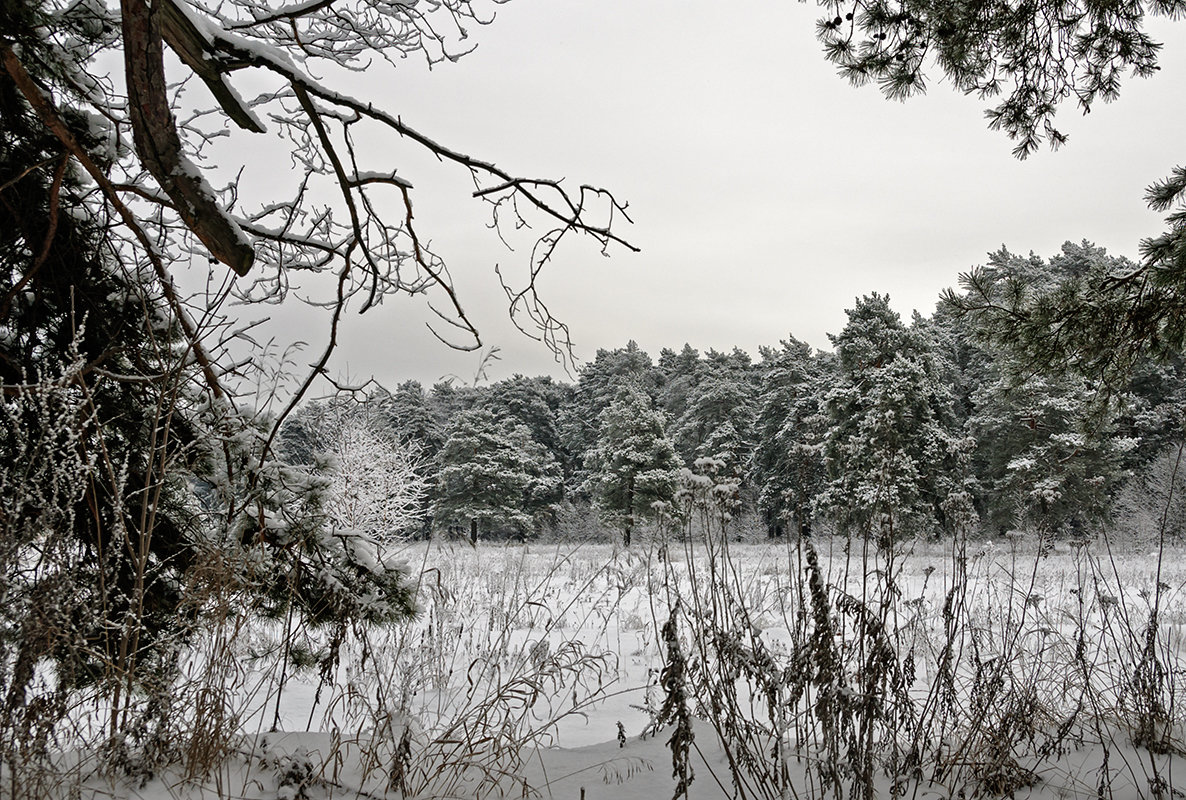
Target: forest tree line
column 906, row 428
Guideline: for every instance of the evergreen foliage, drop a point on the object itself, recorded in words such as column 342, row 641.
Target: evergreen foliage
column 412, row 418
column 904, row 430
column 1049, row 452
column 1049, row 315
column 493, row 477
column 1084, row 313
column 597, row 386
column 634, row 464
column 788, row 465
column 535, row 403
column 1041, row 460
column 681, row 375
column 891, row 460
column 1033, row 56
column 718, row 421
column 96, row 414
column 1154, row 410
column 134, row 490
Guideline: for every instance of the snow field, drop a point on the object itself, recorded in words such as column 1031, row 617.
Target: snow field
column 536, row 670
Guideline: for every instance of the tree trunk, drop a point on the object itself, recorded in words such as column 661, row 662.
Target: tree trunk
column 473, row 533
column 626, row 531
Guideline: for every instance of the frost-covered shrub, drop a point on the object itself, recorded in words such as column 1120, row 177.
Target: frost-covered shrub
column 282, row 521
column 1153, row 500
column 46, row 609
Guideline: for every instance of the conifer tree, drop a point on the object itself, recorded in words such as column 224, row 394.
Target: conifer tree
column 410, row 416
column 1082, row 313
column 787, row 468
column 634, row 464
column 1043, row 458
column 1060, row 414
column 96, row 519
column 681, row 374
column 597, row 386
column 718, row 421
column 1048, row 452
column 536, row 404
column 1153, row 414
column 493, row 477
column 127, row 472
column 888, row 453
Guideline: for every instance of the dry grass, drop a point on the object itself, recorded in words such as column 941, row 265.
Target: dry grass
column 822, row 668
column 833, row 667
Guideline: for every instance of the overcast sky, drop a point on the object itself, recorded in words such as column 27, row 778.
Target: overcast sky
column 766, row 192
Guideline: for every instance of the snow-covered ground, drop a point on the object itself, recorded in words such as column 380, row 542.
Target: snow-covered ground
column 535, row 671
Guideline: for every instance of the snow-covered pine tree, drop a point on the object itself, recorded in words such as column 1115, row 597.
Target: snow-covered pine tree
column 136, row 494
column 1154, row 411
column 411, row 418
column 889, row 455
column 535, row 403
column 1044, row 459
column 493, row 477
column 681, row 374
column 718, row 418
column 1048, row 452
column 787, row 468
column 97, row 430
column 634, row 464
column 596, row 388
column 1049, row 314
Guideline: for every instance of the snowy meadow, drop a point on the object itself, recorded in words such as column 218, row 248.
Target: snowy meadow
column 698, row 662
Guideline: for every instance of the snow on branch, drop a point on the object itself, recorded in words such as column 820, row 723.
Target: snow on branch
column 350, row 213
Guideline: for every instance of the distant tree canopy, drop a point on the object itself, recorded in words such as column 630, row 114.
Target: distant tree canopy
column 493, row 477
column 925, row 427
column 891, row 447
column 788, row 461
column 634, row 464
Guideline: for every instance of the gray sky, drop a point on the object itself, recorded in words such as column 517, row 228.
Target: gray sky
column 766, row 192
